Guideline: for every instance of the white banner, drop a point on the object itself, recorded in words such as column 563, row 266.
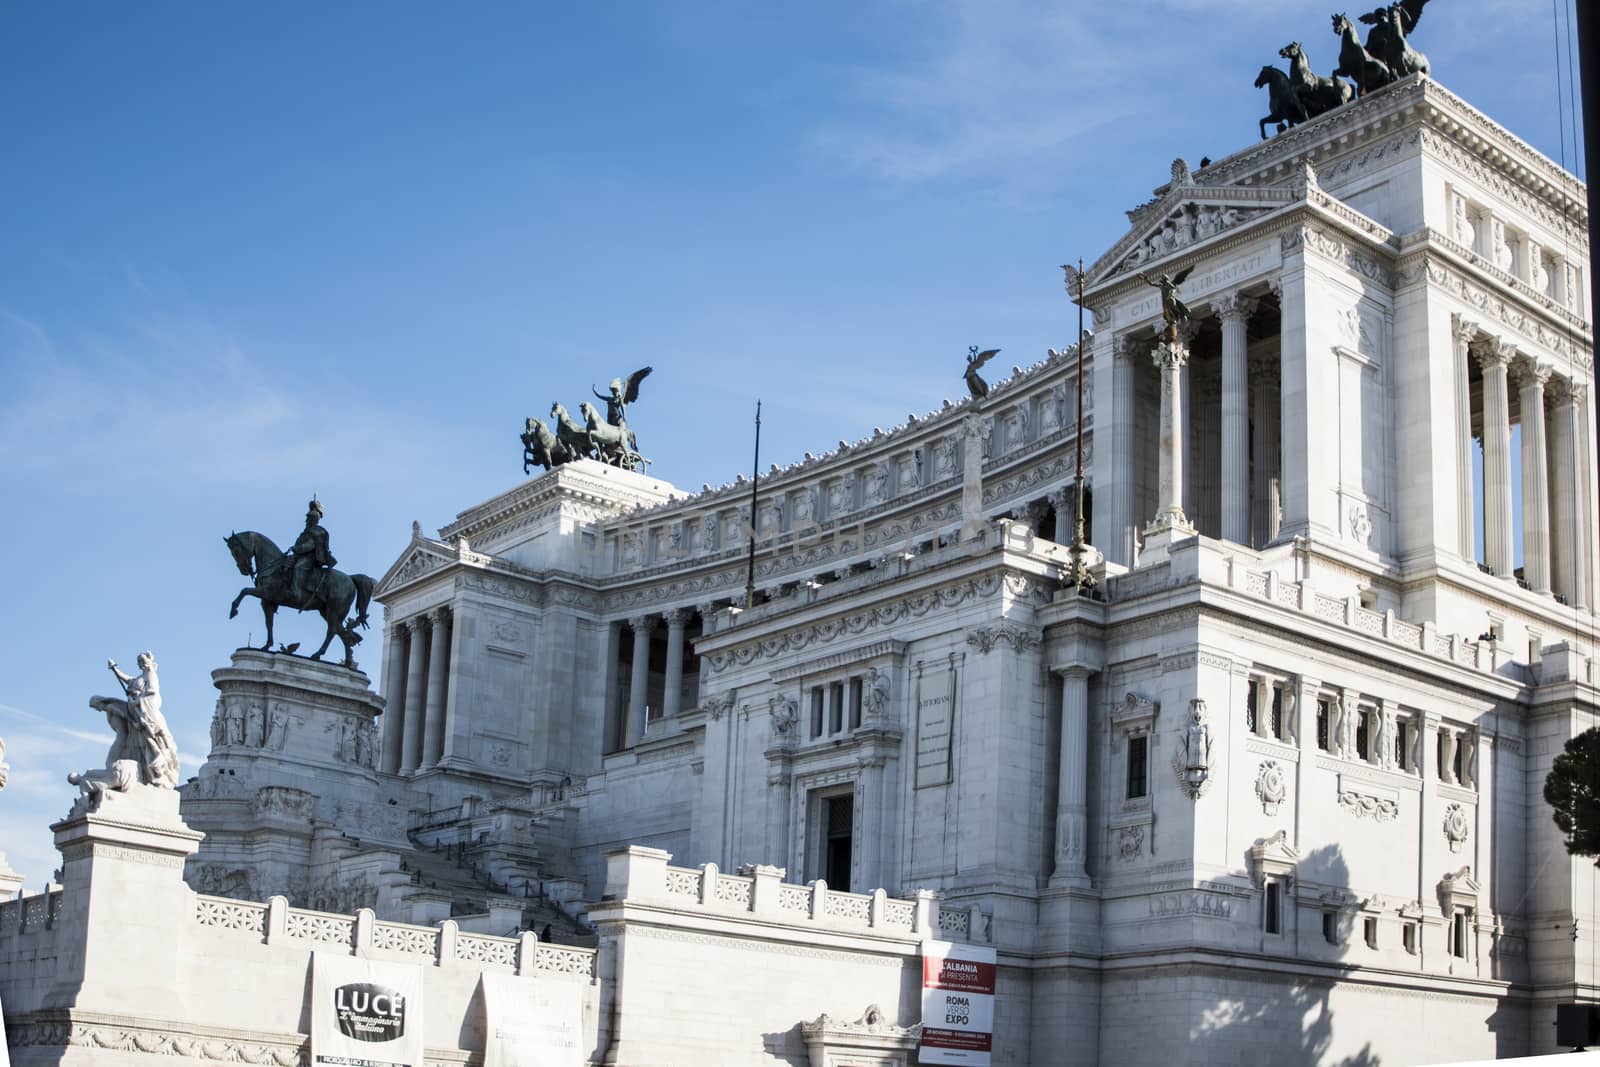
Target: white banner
column 532, row 1022
column 365, row 1013
column 957, row 1004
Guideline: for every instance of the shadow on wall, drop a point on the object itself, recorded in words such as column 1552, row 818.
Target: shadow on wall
column 1287, row 1024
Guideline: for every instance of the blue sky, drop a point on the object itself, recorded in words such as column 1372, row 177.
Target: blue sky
column 251, row 254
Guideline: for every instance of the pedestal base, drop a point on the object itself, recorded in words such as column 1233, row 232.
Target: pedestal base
column 1160, row 536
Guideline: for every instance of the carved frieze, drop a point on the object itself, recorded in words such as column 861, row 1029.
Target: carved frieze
column 1331, row 247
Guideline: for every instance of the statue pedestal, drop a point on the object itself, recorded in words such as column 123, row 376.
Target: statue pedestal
column 125, row 911
column 294, row 748
column 1160, row 537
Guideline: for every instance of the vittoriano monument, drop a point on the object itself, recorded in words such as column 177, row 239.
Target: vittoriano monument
column 303, row 578
column 606, row 439
column 142, row 750
column 1387, row 56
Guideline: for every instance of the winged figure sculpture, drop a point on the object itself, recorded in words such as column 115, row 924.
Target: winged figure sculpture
column 1173, row 310
column 975, row 383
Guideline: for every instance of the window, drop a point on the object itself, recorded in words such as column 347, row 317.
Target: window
column 835, row 707
column 816, row 711
column 1369, row 931
column 855, row 702
column 1275, row 723
column 1409, row 937
column 1456, row 764
column 1138, row 760
column 1363, row 746
column 1250, row 706
column 1458, row 933
column 1402, row 745
column 1272, row 907
column 1330, row 927
column 1324, row 718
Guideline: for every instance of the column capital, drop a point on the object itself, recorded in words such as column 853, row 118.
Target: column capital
column 1129, row 347
column 1558, row 390
column 1462, row 329
column 678, row 618
column 1235, row 307
column 1529, row 372
column 644, row 623
column 1265, row 368
column 1166, row 355
column 440, row 615
column 1074, row 670
column 1493, row 352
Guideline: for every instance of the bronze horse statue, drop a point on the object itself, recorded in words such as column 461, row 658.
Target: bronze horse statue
column 609, row 439
column 1317, row 94
column 573, row 435
column 1356, row 63
column 540, row 445
column 331, row 594
column 1286, row 110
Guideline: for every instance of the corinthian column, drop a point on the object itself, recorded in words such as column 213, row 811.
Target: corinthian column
column 394, row 704
column 1494, row 357
column 411, row 745
column 1170, row 358
column 1267, row 501
column 672, row 699
column 438, row 680
column 1072, row 791
column 1567, row 563
column 1235, row 311
column 1535, row 477
column 1121, row 425
column 1463, row 332
column 640, row 680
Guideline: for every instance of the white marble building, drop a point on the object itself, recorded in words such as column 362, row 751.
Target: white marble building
column 1350, row 861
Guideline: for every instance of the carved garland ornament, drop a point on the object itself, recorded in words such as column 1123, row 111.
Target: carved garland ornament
column 880, row 615
column 57, row 1033
column 1364, row 806
column 1020, row 638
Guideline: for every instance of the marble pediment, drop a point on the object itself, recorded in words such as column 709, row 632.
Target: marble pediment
column 1184, row 216
column 421, row 557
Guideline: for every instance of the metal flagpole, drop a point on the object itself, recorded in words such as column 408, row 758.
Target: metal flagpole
column 755, row 500
column 1080, row 567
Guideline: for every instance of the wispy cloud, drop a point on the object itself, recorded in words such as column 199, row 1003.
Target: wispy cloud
column 988, row 86
column 173, row 396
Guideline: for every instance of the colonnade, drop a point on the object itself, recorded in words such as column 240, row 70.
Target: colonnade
column 643, row 627
column 416, row 691
column 1231, row 428
column 1554, row 464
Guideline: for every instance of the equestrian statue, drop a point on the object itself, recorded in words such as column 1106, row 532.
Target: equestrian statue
column 304, row 579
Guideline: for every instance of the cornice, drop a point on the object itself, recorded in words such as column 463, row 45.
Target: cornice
column 1434, row 259
column 568, row 483
column 1416, row 100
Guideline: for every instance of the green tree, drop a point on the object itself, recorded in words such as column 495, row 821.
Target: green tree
column 1572, row 789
